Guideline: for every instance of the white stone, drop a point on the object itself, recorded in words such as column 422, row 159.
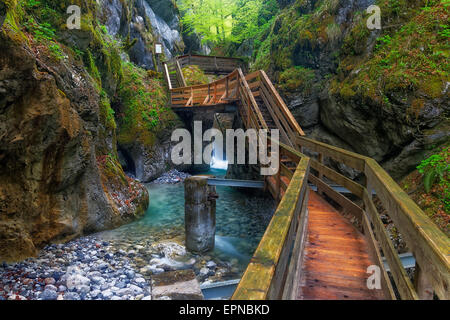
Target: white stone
column 107, row 294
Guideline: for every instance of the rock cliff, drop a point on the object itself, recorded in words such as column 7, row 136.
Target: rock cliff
column 382, row 93
column 65, row 101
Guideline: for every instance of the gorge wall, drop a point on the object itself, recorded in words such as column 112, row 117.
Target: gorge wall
column 382, row 93
column 69, row 100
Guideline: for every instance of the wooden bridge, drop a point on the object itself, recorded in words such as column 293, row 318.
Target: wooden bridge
column 324, row 244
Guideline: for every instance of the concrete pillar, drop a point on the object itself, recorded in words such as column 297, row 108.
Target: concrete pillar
column 200, row 214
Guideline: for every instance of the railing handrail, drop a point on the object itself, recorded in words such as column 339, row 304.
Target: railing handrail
column 259, row 281
column 427, row 242
column 281, row 104
column 206, row 57
column 205, row 86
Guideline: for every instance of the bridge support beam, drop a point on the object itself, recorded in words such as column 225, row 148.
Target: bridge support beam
column 200, row 214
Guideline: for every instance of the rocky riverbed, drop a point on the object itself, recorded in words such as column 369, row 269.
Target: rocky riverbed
column 120, row 264
column 84, row 269
column 92, row 269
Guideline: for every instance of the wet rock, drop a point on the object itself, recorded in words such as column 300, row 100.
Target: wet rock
column 177, row 285
column 172, row 177
column 49, row 295
column 170, row 249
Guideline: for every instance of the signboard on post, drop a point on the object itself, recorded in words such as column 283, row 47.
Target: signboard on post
column 158, row 48
column 158, row 52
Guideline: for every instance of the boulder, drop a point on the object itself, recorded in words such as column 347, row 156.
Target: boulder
column 177, row 285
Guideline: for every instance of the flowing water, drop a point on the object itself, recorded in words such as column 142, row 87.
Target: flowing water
column 240, row 223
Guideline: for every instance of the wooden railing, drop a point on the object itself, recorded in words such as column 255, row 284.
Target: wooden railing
column 173, row 68
column 283, row 119
column 212, row 64
column 271, row 272
column 224, row 90
column 428, row 244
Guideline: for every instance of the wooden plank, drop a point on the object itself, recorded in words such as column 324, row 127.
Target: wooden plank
column 348, row 158
column 334, row 268
column 401, row 279
column 281, row 103
column 252, row 101
column 355, row 188
column 294, row 271
column 283, row 119
column 166, row 72
column 276, row 120
column 285, row 171
column 386, row 285
column 422, row 285
column 343, row 201
column 180, row 75
column 429, row 245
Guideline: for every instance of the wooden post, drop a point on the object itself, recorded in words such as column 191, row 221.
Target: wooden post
column 226, row 88
column 423, row 288
column 278, row 187
column 200, row 214
column 320, row 159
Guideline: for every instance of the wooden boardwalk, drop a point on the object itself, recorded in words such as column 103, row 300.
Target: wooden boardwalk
column 309, row 250
column 335, row 259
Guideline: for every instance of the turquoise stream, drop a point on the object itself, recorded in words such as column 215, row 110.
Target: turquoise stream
column 240, row 222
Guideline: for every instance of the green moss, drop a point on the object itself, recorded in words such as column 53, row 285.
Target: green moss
column 92, row 69
column 410, row 58
column 194, row 75
column 11, row 25
column 144, row 105
column 106, row 112
column 347, row 92
column 297, row 78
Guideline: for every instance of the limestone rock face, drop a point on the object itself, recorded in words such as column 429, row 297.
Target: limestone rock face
column 55, row 182
column 396, row 125
column 150, row 162
column 147, row 22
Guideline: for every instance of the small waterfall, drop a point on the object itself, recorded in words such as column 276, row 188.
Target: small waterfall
column 216, row 162
column 225, row 245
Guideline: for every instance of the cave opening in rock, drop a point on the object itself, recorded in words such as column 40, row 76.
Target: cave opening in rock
column 126, row 161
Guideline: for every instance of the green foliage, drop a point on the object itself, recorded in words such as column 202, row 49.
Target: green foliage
column 106, row 112
column 297, row 78
column 211, row 19
column 56, row 51
column 194, row 76
column 222, row 21
column 143, row 102
column 436, row 171
column 410, row 58
column 434, row 167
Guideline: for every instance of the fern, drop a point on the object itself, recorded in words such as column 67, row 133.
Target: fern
column 429, row 179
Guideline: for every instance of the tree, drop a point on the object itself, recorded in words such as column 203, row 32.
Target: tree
column 211, row 19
